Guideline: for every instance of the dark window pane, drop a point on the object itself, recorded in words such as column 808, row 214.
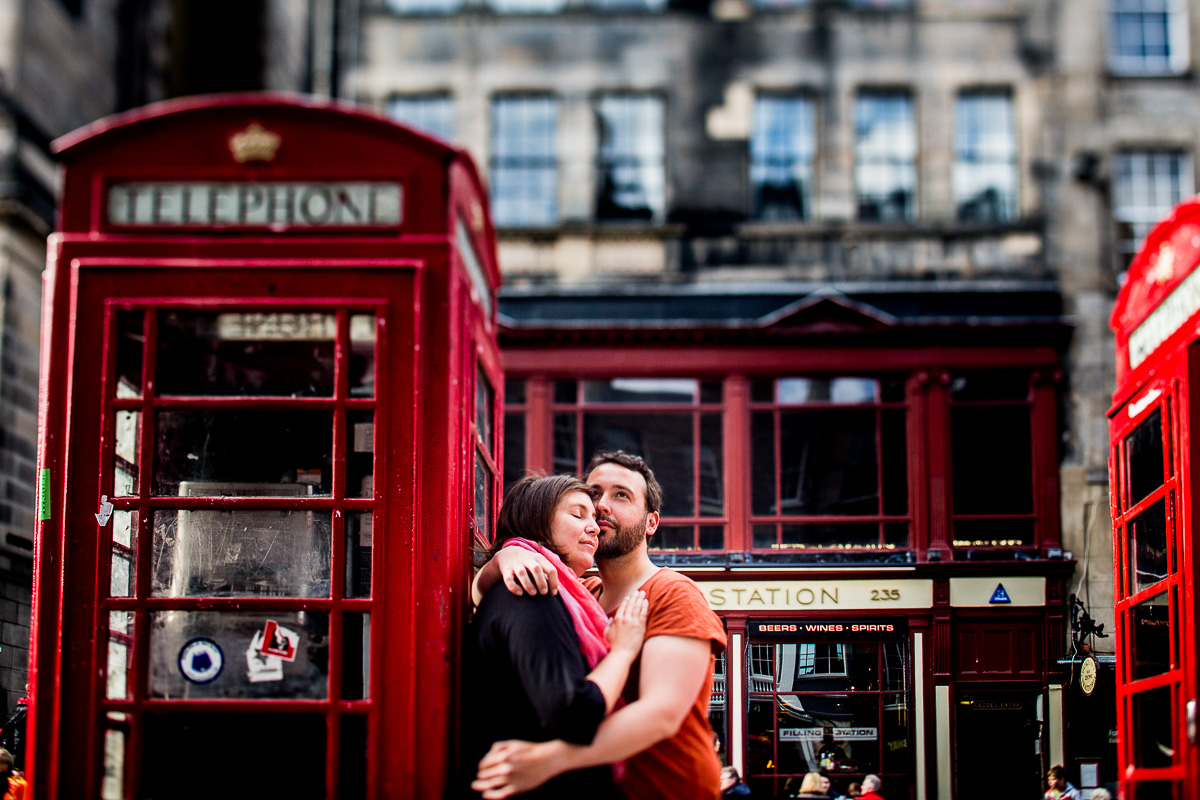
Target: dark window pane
column 131, row 340
column 514, row 448
column 484, row 409
column 891, row 389
column 993, row 533
column 275, row 453
column 1155, row 790
column 762, row 390
column 711, row 392
column 566, row 455
column 565, row 392
column 762, row 462
column 360, row 454
column 712, row 473
column 765, row 537
column 760, row 736
column 514, row 392
column 356, row 655
column 992, row 460
column 1144, row 451
column 1150, row 637
column 897, row 754
column 176, row 745
column 828, row 463
column 834, row 536
column 990, row 385
column 674, row 537
column 245, row 353
column 641, row 390
column 862, row 665
column 241, row 553
column 895, row 463
column 895, row 666
column 664, row 440
column 352, row 762
column 1148, row 547
column 712, row 537
column 895, row 535
column 360, row 536
column 1152, row 727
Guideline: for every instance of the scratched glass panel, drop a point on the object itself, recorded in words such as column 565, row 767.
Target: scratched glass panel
column 130, row 346
column 123, row 564
column 120, row 655
column 1144, row 453
column 245, row 353
column 1147, row 547
column 1153, row 728
column 360, row 455
column 359, row 546
column 1149, row 625
column 241, row 553
column 197, row 655
column 112, row 783
column 125, row 453
column 278, row 453
column 362, row 355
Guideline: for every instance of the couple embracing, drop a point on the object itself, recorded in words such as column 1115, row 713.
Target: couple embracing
column 570, row 704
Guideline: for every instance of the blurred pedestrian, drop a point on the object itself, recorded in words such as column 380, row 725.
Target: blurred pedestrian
column 1058, row 788
column 871, row 785
column 1100, row 794
column 814, row 787
column 731, row 784
column 854, row 789
column 10, row 779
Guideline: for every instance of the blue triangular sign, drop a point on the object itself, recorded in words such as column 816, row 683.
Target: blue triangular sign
column 1000, row 596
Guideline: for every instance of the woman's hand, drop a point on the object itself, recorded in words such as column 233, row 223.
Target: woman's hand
column 628, row 625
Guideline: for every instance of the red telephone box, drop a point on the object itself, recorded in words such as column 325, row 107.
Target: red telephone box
column 1154, row 427
column 268, row 440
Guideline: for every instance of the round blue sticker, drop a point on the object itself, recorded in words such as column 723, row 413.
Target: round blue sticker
column 201, row 660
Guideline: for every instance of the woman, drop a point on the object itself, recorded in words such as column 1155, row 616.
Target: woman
column 544, row 667
column 814, row 787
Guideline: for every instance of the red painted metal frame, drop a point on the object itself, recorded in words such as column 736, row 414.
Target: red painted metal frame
column 444, row 301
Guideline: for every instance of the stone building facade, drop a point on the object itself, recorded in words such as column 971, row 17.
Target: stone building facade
column 653, row 150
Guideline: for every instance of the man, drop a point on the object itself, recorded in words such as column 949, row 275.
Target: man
column 662, row 733
column 1058, row 787
column 870, row 788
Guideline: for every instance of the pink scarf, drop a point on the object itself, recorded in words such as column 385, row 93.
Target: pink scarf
column 586, row 614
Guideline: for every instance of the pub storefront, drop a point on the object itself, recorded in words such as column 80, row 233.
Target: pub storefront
column 864, row 482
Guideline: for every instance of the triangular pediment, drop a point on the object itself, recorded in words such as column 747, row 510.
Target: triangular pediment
column 827, row 311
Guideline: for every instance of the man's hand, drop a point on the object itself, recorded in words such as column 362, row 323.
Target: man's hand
column 512, row 767
column 523, row 572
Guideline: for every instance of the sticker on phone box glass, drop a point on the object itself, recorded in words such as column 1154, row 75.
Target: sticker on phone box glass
column 201, row 660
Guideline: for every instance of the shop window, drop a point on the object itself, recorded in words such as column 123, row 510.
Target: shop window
column 782, row 148
column 433, row 113
column 1147, row 37
column 631, row 170
column 424, row 6
column 526, row 6
column 821, row 707
column 1147, row 184
column 885, row 156
column 992, row 460
column 675, row 424
column 829, row 466
column 985, row 157
column 523, row 165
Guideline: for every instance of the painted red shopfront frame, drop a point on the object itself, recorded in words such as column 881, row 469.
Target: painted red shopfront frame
column 425, row 271
column 1152, row 426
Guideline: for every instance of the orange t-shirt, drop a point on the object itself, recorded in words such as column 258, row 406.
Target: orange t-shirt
column 684, row 766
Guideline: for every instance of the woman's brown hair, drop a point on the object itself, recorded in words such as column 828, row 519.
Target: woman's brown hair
column 528, row 509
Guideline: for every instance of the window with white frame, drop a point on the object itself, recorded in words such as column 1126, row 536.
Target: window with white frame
column 428, row 113
column 885, row 152
column 1147, row 184
column 631, row 168
column 783, row 145
column 1147, row 37
column 523, row 165
column 985, row 157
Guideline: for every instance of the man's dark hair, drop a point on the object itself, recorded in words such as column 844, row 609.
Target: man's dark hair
column 654, row 492
column 528, row 509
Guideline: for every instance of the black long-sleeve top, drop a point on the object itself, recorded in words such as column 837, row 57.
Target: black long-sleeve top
column 527, row 679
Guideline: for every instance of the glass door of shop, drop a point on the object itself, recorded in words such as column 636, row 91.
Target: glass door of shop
column 1150, row 605
column 242, row 433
